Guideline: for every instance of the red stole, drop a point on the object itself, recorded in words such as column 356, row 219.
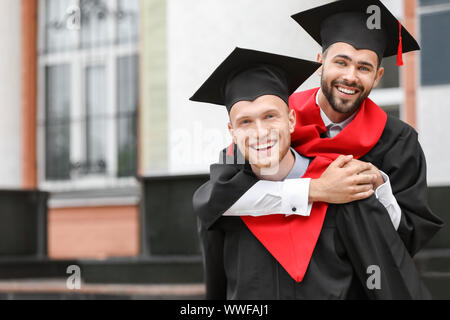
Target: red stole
column 291, row 240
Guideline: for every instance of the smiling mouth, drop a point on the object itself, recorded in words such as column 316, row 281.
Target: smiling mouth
column 263, row 146
column 347, row 91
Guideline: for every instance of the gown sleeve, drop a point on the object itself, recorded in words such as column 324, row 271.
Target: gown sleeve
column 212, row 245
column 405, row 165
column 381, row 262
column 367, row 234
column 227, row 183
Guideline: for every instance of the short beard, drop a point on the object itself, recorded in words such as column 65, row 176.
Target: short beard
column 339, row 106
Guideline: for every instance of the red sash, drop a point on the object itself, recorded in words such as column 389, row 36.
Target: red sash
column 291, row 240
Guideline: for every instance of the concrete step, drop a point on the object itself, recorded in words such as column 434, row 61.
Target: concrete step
column 148, row 270
column 438, row 283
column 57, row 289
column 176, row 269
column 433, row 260
column 434, row 266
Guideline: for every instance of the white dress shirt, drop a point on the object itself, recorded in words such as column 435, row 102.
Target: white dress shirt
column 290, row 196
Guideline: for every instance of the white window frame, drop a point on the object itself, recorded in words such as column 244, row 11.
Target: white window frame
column 78, row 60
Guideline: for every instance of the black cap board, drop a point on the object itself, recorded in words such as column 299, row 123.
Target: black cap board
column 364, row 24
column 248, row 74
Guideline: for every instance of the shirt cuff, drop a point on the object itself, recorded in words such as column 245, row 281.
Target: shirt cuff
column 286, row 197
column 384, row 194
column 295, row 194
column 263, row 198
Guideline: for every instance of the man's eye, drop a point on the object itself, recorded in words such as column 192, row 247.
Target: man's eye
column 269, row 116
column 245, row 122
column 365, row 69
column 340, row 62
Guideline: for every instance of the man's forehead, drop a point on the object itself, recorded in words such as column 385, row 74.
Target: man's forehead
column 258, row 106
column 345, row 49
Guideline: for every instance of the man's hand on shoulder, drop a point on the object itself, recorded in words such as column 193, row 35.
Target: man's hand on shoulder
column 371, row 170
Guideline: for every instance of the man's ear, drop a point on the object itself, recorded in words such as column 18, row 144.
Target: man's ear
column 292, row 120
column 378, row 77
column 230, row 130
column 319, row 60
column 320, row 57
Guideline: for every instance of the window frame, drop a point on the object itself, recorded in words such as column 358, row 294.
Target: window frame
column 78, row 60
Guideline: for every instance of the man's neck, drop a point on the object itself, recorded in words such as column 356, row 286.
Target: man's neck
column 334, row 116
column 278, row 172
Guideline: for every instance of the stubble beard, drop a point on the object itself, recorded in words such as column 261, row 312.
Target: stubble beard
column 339, row 105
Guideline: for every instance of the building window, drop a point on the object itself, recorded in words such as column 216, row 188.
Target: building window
column 434, row 26
column 431, row 2
column 88, row 88
column 96, row 120
column 57, row 128
column 391, row 76
column 127, row 114
column 392, row 110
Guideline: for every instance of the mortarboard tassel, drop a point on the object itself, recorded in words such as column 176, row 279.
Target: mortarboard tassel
column 400, row 46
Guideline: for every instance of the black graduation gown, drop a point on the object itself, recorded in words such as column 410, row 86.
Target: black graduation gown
column 354, row 237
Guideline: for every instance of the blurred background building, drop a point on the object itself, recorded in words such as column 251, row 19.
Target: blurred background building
column 102, row 150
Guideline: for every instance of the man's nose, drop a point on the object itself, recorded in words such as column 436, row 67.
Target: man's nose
column 350, row 75
column 261, row 128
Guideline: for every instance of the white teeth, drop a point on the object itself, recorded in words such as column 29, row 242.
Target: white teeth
column 346, row 91
column 263, row 146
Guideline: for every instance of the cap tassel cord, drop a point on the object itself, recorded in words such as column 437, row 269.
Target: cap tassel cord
column 400, row 46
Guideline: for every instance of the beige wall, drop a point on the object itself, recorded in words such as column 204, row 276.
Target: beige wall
column 10, row 94
column 153, row 122
column 433, row 112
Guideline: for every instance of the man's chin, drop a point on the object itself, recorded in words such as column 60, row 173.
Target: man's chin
column 346, row 106
column 266, row 169
column 266, row 163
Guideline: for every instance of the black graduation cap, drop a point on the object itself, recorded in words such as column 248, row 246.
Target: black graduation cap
column 349, row 21
column 248, row 74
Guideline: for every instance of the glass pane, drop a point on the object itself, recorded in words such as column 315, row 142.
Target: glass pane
column 393, row 110
column 96, row 124
column 128, row 21
column 128, row 94
column 57, row 129
column 58, row 37
column 390, row 78
column 431, row 2
column 435, row 65
column 95, row 15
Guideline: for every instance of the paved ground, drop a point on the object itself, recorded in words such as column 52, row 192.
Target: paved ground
column 15, row 289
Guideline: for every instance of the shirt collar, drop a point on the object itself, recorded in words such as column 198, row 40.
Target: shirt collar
column 301, row 164
column 328, row 123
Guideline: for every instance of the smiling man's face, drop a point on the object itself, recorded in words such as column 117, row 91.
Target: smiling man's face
column 262, row 129
column 348, row 76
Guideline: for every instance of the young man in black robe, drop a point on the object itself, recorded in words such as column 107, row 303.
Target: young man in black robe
column 355, row 236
